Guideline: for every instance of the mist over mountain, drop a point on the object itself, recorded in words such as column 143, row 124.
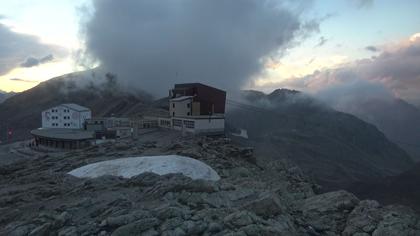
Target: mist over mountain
column 333, row 147
column 399, row 120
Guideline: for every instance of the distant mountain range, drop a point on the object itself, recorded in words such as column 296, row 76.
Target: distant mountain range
column 333, row 147
column 5, row 95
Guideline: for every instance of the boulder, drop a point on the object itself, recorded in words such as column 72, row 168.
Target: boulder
column 328, row 211
column 267, row 205
column 240, row 219
column 137, row 227
column 364, row 218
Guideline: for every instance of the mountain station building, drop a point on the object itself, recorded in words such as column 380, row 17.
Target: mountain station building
column 196, row 108
column 63, row 127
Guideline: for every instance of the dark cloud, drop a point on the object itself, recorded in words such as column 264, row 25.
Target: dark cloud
column 310, row 61
column 321, row 41
column 32, row 61
column 153, row 44
column 23, row 80
column 396, row 71
column 15, row 48
column 372, row 48
column 363, row 3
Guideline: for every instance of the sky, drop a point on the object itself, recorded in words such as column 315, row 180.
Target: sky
column 41, row 39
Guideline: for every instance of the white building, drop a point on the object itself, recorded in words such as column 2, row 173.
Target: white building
column 70, row 116
column 182, row 106
column 199, row 124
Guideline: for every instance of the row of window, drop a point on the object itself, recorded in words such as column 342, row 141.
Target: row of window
column 56, row 110
column 165, row 123
column 65, row 117
column 65, row 124
column 187, row 123
column 188, row 105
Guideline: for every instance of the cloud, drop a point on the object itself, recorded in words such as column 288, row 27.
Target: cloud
column 23, row 80
column 372, row 48
column 396, row 70
column 321, row 42
column 32, row 61
column 15, row 48
column 153, row 44
column 363, row 3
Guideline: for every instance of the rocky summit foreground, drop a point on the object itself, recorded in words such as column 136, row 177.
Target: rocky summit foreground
column 37, row 197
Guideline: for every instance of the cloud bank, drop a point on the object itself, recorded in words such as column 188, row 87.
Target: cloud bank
column 153, row 44
column 16, row 48
column 393, row 73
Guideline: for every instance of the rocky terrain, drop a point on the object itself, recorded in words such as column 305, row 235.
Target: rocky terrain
column 37, row 197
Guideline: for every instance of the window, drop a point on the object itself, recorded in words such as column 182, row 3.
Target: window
column 177, row 123
column 173, row 105
column 188, row 113
column 189, row 124
column 173, row 113
column 188, row 105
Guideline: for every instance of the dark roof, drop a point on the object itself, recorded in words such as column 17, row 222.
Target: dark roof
column 64, row 134
column 75, row 107
column 72, row 106
column 190, row 85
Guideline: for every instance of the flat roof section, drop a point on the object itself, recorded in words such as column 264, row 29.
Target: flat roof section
column 182, row 98
column 63, row 134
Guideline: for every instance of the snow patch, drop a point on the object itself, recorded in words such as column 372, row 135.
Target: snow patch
column 161, row 165
column 243, row 134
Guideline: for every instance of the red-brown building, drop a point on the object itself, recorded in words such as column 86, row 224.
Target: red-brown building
column 195, row 99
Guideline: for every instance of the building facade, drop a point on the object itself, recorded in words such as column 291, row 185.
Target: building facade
column 200, row 124
column 61, row 138
column 67, row 116
column 196, row 108
column 110, row 127
column 195, row 99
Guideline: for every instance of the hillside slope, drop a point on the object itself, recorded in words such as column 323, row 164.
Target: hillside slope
column 401, row 189
column 399, row 120
column 333, row 147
